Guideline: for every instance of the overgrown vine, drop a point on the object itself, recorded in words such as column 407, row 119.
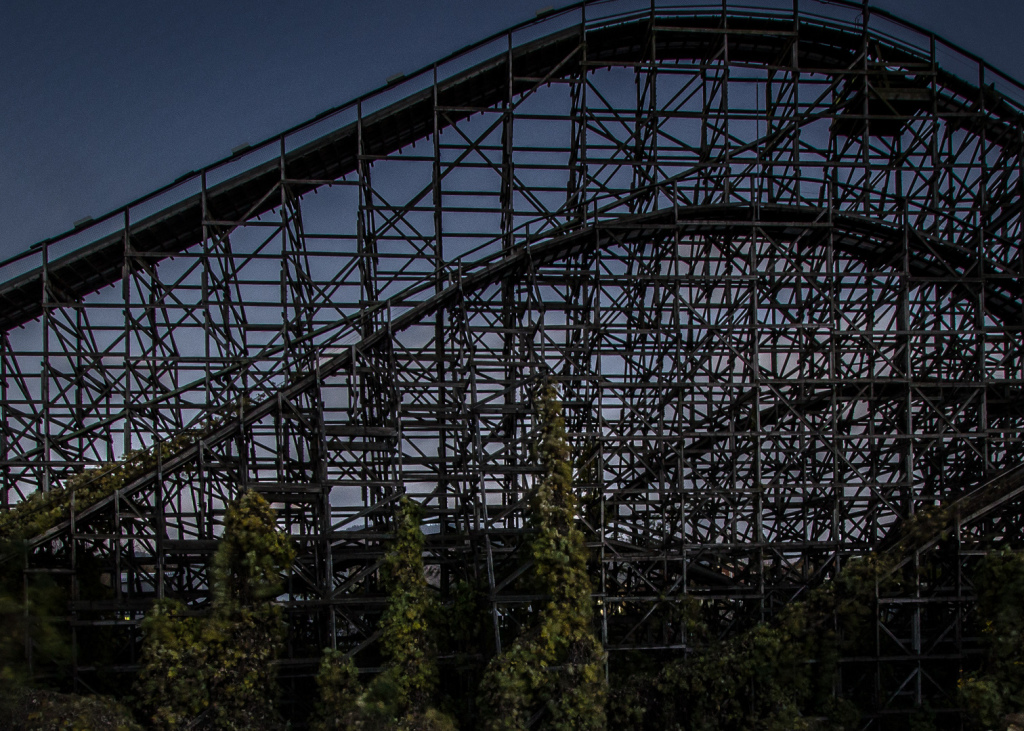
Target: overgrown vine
column 32, row 607
column 338, row 691
column 556, row 669
column 216, row 672
column 775, row 676
column 402, row 696
column 995, row 695
column 40, row 511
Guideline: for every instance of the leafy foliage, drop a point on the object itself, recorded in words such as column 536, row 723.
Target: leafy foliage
column 24, row 709
column 338, row 685
column 464, row 638
column 556, row 668
column 172, row 683
column 775, row 676
column 400, row 697
column 243, row 647
column 37, row 618
column 998, row 690
column 216, row 672
column 251, row 556
column 31, row 607
column 43, row 510
column 406, row 635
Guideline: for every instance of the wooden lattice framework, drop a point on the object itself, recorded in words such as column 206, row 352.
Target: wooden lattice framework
column 771, row 254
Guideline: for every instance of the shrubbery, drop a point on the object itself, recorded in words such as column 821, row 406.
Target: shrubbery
column 776, row 676
column 216, row 671
column 401, row 697
column 338, row 689
column 998, row 690
column 407, row 638
column 29, row 709
column 43, row 510
column 30, row 610
column 556, row 668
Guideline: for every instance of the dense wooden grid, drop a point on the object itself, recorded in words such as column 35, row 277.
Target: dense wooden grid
column 772, row 258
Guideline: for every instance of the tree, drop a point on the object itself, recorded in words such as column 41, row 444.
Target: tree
column 216, row 671
column 997, row 692
column 556, row 668
column 339, row 690
column 399, row 698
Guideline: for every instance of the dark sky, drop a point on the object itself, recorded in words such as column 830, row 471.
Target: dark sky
column 106, row 100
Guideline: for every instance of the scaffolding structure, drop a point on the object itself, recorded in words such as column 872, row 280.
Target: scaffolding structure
column 770, row 253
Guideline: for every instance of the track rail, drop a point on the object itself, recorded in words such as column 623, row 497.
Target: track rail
column 755, row 39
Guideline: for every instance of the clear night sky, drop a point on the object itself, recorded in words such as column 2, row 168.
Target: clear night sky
column 103, row 101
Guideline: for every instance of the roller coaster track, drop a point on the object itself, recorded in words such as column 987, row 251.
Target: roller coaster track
column 771, row 257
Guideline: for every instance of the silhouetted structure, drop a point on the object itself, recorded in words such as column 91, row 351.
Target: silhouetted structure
column 772, row 257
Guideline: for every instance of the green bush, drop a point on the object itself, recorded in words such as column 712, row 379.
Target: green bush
column 40, row 511
column 776, row 676
column 32, row 608
column 173, row 686
column 407, row 639
column 33, row 611
column 399, row 698
column 556, row 669
column 27, row 709
column 997, row 690
column 217, row 672
column 251, row 556
column 338, row 686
